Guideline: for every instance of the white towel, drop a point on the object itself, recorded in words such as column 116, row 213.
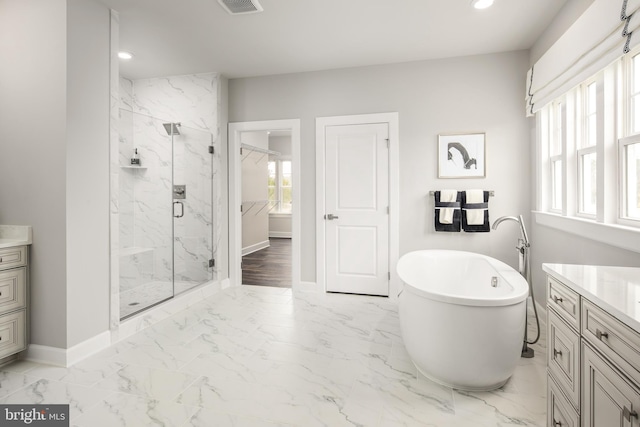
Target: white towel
column 475, row 216
column 446, row 214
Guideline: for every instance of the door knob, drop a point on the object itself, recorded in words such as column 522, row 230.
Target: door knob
column 330, row 217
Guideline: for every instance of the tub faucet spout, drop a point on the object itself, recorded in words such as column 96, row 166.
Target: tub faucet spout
column 520, row 221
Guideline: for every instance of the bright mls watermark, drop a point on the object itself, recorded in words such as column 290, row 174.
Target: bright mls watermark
column 34, row 415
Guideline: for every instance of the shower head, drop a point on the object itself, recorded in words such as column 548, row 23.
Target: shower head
column 172, row 128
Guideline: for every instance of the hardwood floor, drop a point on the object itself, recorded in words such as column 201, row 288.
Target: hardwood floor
column 270, row 266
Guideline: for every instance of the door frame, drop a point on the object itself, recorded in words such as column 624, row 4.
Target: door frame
column 392, row 119
column 235, row 194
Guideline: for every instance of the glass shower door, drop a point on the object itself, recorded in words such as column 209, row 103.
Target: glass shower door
column 145, row 226
column 192, row 209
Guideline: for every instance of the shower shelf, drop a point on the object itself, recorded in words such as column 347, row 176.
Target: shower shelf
column 134, row 250
column 133, row 167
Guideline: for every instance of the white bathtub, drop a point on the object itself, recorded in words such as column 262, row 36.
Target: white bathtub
column 459, row 329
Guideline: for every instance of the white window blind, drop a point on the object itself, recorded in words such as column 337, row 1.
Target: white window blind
column 601, row 35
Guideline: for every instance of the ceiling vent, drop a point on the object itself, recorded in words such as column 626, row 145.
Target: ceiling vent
column 238, row 7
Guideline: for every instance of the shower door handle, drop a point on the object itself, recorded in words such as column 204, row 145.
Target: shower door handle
column 181, row 209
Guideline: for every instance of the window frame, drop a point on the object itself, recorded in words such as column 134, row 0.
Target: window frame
column 277, row 210
column 556, row 134
column 623, row 143
column 583, row 148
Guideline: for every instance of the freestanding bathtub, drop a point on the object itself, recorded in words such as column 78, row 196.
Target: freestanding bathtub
column 462, row 317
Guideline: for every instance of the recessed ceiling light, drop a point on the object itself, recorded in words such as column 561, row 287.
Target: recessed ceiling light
column 481, row 4
column 125, row 55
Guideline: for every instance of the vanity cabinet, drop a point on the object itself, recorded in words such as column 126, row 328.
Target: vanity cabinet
column 593, row 357
column 13, row 301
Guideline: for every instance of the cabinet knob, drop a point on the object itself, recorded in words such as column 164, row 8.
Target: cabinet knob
column 556, row 353
column 557, row 299
column 600, row 334
column 627, row 413
column 557, row 423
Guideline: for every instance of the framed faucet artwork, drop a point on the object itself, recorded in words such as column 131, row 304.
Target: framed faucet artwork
column 461, row 156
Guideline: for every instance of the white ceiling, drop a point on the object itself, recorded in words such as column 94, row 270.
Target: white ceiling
column 171, row 37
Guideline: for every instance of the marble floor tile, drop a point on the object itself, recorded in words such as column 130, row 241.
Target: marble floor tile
column 21, row 366
column 208, row 418
column 87, row 372
column 264, row 357
column 79, row 398
column 11, row 382
column 158, row 354
column 122, row 409
column 147, row 382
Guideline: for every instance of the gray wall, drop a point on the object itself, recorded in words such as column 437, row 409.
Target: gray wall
column 53, row 157
column 255, row 179
column 571, row 10
column 33, row 150
column 469, row 94
column 87, row 166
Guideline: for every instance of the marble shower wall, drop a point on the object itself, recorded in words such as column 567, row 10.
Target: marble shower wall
column 146, row 193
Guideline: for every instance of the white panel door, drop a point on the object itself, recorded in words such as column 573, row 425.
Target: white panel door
column 356, row 209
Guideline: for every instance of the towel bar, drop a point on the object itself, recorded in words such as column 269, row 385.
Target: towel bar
column 491, row 193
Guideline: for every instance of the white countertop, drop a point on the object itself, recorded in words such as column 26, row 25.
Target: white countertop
column 15, row 235
column 615, row 289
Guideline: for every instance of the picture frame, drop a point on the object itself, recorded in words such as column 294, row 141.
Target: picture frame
column 462, row 155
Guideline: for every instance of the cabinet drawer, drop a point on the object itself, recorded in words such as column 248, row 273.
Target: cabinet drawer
column 608, row 398
column 563, row 357
column 564, row 301
column 13, row 257
column 13, row 290
column 615, row 340
column 559, row 410
column 12, row 333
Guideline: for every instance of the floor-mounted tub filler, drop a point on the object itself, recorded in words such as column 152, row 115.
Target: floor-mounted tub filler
column 462, row 315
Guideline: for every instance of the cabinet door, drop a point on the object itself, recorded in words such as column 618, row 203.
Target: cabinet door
column 563, row 357
column 560, row 413
column 608, row 399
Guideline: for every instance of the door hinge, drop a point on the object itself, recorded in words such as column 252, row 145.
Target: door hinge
column 388, row 210
column 388, row 142
column 211, row 149
column 240, row 208
column 212, row 263
column 389, row 275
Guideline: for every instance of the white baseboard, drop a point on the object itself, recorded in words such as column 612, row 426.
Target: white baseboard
column 308, row 287
column 280, row 234
column 67, row 357
column 48, row 355
column 226, row 283
column 254, row 248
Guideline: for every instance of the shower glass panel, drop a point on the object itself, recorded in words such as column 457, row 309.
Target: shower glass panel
column 146, row 246
column 193, row 208
column 165, row 237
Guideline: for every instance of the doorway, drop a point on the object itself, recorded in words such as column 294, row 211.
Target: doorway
column 251, row 206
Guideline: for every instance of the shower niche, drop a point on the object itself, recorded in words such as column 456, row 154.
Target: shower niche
column 165, row 208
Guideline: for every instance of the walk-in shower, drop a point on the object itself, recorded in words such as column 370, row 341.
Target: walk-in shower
column 166, row 214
